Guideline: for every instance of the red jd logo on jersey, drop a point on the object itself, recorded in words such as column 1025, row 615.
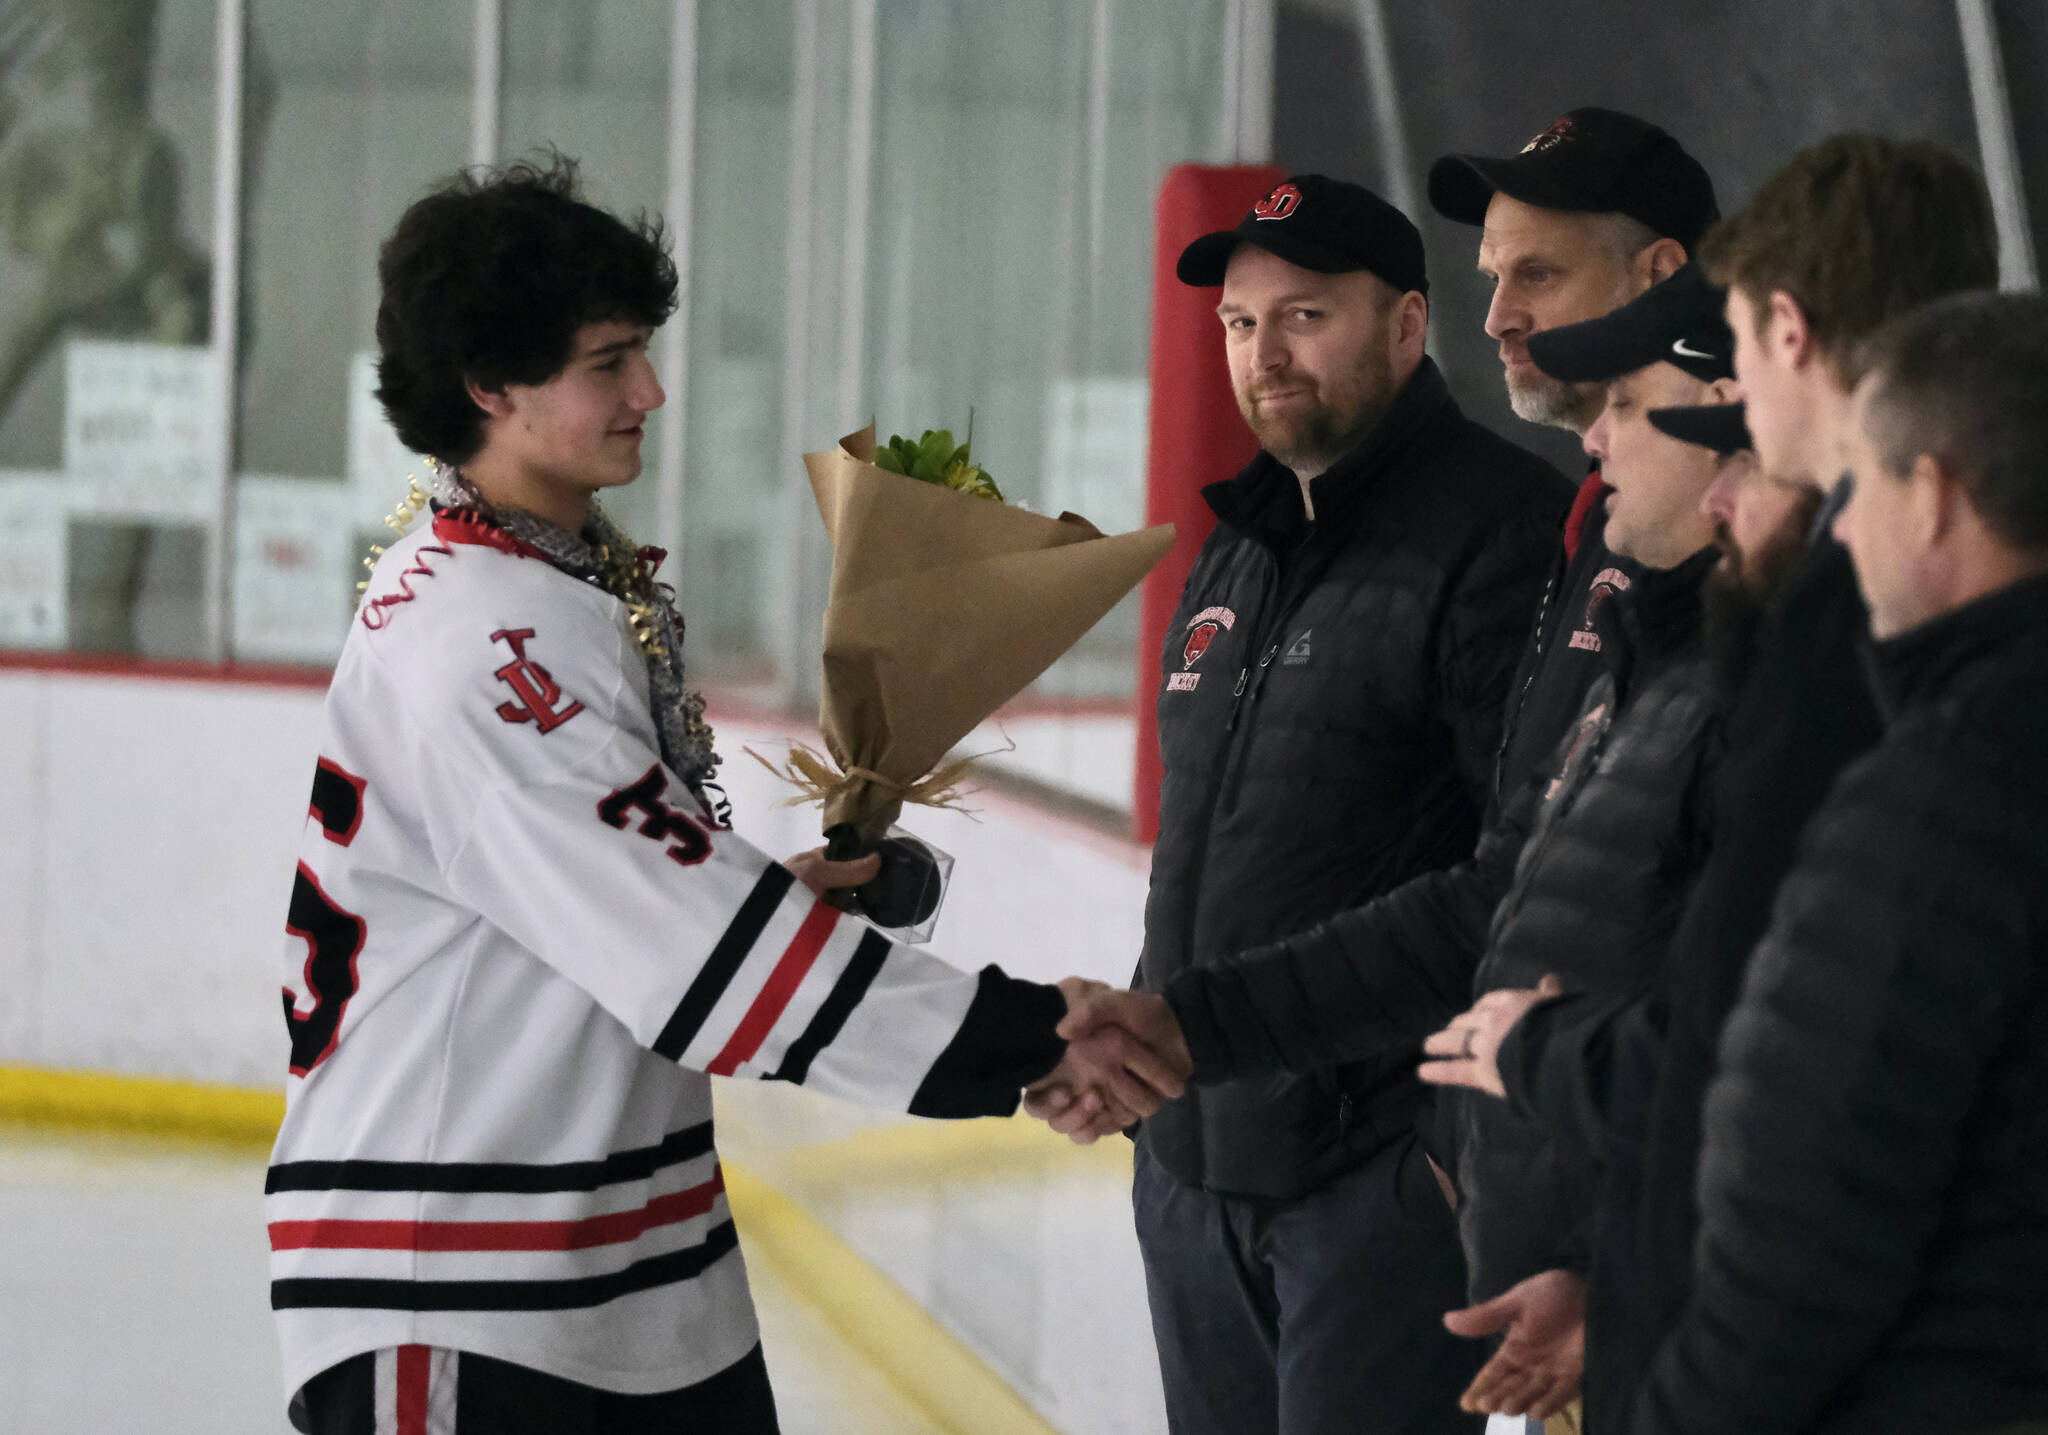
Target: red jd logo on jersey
column 1279, row 204
column 539, row 696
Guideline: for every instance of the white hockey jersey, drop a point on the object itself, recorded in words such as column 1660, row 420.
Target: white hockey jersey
column 516, row 944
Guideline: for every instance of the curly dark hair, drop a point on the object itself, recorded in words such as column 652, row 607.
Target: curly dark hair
column 487, row 280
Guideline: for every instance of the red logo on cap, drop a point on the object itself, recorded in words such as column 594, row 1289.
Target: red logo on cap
column 1279, row 204
column 1550, row 138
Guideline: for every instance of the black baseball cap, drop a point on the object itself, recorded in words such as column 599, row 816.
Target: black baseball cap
column 1724, row 428
column 1676, row 322
column 1591, row 160
column 1318, row 223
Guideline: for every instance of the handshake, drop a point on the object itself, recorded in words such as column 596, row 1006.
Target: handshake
column 1125, row 1055
column 1125, row 1051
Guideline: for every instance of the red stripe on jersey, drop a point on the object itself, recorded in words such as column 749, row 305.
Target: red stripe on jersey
column 415, row 1362
column 614, row 1228
column 781, row 986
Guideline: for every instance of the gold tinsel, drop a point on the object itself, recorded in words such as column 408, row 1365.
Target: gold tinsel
column 398, row 520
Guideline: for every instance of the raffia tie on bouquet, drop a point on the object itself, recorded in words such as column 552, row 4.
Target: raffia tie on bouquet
column 817, row 778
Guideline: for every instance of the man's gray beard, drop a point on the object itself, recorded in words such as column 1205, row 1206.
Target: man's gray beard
column 1557, row 404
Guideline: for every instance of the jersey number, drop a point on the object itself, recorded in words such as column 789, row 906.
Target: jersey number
column 333, row 936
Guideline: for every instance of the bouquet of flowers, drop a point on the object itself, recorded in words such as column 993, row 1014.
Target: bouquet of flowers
column 943, row 605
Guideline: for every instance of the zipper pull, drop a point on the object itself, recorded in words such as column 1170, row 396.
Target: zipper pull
column 1243, row 673
column 1271, row 653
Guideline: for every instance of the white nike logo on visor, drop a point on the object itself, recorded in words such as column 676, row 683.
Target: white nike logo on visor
column 1679, row 347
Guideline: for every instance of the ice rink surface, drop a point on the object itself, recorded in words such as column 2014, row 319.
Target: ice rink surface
column 133, row 1296
column 133, row 1280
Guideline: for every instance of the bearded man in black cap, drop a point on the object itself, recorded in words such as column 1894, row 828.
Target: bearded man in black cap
column 1329, row 706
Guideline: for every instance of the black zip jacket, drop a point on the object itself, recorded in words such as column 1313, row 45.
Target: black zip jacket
column 1329, row 708
column 1382, row 976
column 1799, row 715
column 1874, row 1181
column 1621, row 833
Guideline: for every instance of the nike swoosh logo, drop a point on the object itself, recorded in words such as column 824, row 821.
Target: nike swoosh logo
column 1680, row 348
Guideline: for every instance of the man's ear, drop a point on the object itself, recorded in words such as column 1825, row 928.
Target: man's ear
column 1412, row 329
column 1660, row 260
column 1939, row 503
column 1787, row 334
column 1724, row 391
column 495, row 403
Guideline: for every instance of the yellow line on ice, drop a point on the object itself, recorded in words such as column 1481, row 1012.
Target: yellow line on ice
column 926, row 1363
column 143, row 1106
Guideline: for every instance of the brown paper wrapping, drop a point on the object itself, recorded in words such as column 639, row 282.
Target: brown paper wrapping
column 942, row 607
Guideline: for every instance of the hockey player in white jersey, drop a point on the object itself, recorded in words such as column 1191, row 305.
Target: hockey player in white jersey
column 522, row 930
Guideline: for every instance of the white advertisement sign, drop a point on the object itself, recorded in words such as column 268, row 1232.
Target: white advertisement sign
column 378, row 463
column 294, row 593
column 142, row 429
column 33, row 572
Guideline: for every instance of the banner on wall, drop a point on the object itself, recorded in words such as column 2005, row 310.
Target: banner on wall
column 143, row 429
column 34, row 573
column 294, row 590
column 378, row 463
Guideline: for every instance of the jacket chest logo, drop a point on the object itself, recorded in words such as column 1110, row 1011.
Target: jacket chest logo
column 538, row 695
column 1606, row 583
column 1201, row 632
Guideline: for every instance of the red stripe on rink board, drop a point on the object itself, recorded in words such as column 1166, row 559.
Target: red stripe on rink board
column 781, row 986
column 612, row 1229
column 414, row 1364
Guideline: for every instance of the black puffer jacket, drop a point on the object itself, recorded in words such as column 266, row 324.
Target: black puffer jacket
column 1598, row 892
column 1874, row 1181
column 1382, row 976
column 1329, row 708
column 1627, row 1076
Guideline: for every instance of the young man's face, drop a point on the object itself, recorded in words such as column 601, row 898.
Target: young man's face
column 580, row 430
column 1549, row 268
column 1877, row 525
column 1314, row 358
column 1793, row 436
column 1653, row 515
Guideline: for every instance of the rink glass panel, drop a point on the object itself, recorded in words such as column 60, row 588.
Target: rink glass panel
column 106, row 202
column 896, row 209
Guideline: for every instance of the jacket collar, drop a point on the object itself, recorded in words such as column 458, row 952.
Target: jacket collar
column 1663, row 605
column 1922, row 663
column 1264, row 501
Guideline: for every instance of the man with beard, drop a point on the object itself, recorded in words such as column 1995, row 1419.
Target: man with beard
column 1914, row 223
column 1871, row 1182
column 1329, row 708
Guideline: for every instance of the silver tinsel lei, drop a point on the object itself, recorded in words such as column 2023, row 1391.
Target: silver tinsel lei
column 603, row 556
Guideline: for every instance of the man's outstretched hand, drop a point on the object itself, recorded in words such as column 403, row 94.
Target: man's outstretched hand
column 1467, row 1051
column 1542, row 1354
column 1113, row 1074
